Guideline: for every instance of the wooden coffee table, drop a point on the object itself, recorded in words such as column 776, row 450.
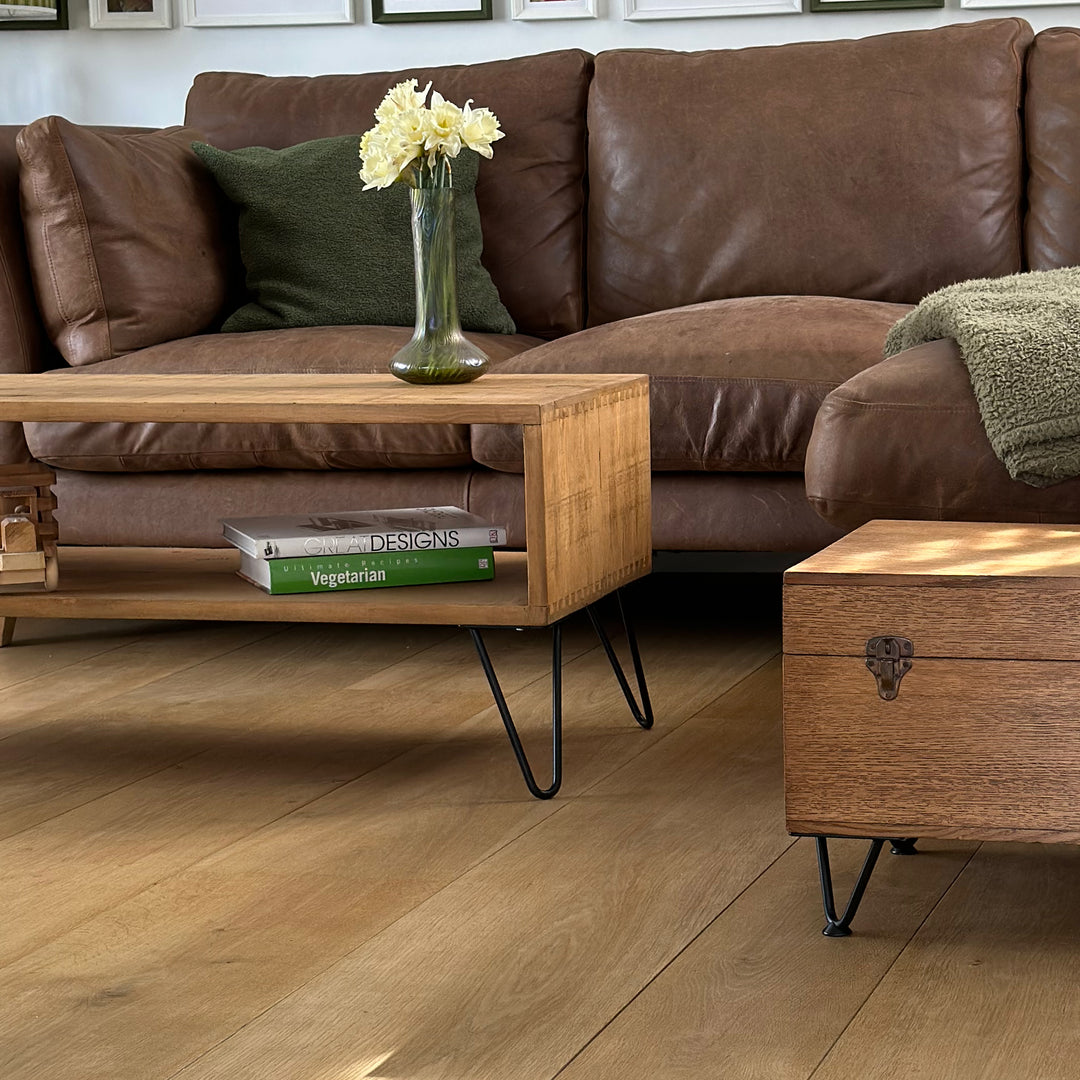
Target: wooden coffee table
column 931, row 688
column 587, row 506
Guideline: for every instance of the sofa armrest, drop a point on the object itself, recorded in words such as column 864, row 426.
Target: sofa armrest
column 23, row 345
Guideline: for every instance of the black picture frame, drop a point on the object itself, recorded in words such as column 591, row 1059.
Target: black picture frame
column 380, row 15
column 59, row 23
column 871, row 5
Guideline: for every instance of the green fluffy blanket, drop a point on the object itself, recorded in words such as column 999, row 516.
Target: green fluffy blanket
column 1020, row 338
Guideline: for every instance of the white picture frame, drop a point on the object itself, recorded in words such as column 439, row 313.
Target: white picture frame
column 641, row 10
column 160, row 18
column 1013, row 3
column 266, row 12
column 555, row 9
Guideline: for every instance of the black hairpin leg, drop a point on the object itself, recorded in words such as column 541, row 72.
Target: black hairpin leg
column 834, row 926
column 642, row 712
column 841, row 927
column 508, row 721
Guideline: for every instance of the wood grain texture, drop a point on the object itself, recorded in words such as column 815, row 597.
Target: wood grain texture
column 587, row 500
column 26, row 475
column 946, row 553
column 132, row 711
column 26, row 489
column 497, row 974
column 53, row 667
column 22, row 560
column 171, row 970
column 973, row 747
column 761, row 994
column 305, row 398
column 987, row 987
column 17, row 537
column 995, row 619
column 52, row 647
column 162, row 777
column 201, row 583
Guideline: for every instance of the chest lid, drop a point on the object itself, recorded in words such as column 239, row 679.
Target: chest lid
column 954, row 589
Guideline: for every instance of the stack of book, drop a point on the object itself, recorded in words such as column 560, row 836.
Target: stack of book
column 364, row 549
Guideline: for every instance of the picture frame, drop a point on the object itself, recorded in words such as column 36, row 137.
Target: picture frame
column 405, row 11
column 1013, row 3
column 554, row 9
column 874, row 5
column 13, row 15
column 114, row 15
column 642, row 10
column 266, row 12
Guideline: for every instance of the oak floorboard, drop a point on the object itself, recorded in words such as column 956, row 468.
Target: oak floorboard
column 44, row 647
column 92, row 679
column 220, row 763
column 987, row 987
column 206, row 950
column 108, row 722
column 762, row 993
column 496, row 974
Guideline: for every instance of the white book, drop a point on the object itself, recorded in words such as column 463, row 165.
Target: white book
column 361, row 532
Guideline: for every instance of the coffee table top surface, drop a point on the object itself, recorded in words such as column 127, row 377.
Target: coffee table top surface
column 946, row 552
column 301, row 398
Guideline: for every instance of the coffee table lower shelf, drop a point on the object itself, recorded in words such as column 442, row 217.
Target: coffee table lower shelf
column 200, row 583
column 195, row 583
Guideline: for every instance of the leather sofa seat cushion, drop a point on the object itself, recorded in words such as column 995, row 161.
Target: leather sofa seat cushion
column 734, row 384
column 904, row 439
column 182, row 510
column 125, row 235
column 531, row 194
column 882, row 168
column 126, row 447
column 690, row 511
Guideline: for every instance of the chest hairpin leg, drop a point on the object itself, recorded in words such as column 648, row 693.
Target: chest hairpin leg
column 840, row 926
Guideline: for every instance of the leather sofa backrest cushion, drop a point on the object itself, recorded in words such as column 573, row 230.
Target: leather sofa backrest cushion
column 879, row 169
column 1052, row 123
column 124, row 234
column 530, row 194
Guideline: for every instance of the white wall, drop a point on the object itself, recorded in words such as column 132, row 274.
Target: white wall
column 142, row 76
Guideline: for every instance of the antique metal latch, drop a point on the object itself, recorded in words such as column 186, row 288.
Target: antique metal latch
column 888, row 659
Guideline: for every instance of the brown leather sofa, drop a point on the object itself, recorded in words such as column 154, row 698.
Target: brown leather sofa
column 744, row 226
column 915, row 414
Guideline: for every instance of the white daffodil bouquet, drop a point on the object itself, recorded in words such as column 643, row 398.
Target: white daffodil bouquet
column 413, row 142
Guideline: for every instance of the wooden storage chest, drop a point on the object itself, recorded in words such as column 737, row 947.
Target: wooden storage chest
column 980, row 737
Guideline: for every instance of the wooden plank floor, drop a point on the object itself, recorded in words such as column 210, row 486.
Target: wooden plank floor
column 255, row 852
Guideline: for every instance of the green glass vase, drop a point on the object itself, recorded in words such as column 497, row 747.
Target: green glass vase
column 438, row 351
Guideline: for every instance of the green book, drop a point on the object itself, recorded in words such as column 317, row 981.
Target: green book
column 323, row 573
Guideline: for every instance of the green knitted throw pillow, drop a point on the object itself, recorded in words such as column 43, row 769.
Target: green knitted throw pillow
column 320, row 251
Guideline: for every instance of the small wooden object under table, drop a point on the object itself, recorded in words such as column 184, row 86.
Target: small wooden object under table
column 27, row 533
